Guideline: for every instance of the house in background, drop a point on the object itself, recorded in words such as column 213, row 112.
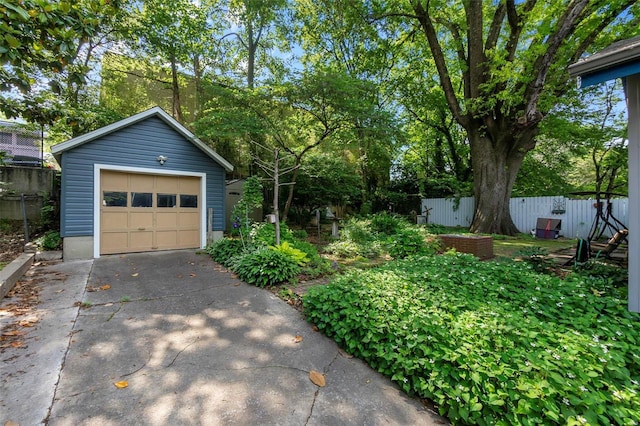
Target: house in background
column 141, row 184
column 622, row 60
column 21, row 146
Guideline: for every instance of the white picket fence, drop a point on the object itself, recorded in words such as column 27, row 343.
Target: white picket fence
column 577, row 218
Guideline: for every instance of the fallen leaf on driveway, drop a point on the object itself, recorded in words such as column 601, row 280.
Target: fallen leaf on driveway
column 192, row 274
column 14, row 333
column 28, row 323
column 11, row 423
column 317, row 378
column 105, row 287
column 134, row 275
column 121, row 385
column 297, row 339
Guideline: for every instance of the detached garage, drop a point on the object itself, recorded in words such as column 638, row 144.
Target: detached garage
column 142, row 184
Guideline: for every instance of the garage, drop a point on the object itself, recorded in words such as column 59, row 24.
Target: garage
column 141, row 184
column 145, row 212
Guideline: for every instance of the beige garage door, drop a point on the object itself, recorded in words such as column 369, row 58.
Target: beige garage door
column 141, row 212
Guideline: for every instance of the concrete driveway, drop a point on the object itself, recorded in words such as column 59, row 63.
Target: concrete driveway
column 194, row 346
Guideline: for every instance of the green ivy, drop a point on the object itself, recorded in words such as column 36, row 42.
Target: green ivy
column 490, row 343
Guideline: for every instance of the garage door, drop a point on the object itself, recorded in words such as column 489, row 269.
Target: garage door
column 141, row 212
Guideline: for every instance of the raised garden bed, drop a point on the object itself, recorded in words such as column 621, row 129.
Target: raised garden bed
column 478, row 245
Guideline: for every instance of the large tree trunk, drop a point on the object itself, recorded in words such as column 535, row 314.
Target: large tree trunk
column 495, row 167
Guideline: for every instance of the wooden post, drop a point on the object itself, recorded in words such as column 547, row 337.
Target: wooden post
column 209, row 225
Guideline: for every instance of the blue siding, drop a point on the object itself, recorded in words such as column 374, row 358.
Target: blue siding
column 137, row 145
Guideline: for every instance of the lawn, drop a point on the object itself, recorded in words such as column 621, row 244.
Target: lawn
column 510, row 246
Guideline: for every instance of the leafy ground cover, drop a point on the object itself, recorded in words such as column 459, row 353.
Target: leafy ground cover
column 491, row 342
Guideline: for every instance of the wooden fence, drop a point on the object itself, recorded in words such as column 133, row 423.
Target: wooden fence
column 577, row 216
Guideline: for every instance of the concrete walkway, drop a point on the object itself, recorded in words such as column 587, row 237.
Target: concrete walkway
column 192, row 344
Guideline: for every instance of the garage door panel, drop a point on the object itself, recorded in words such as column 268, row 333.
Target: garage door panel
column 114, row 181
column 168, row 183
column 189, row 239
column 112, row 242
column 141, row 240
column 114, row 220
column 141, row 183
column 189, row 185
column 166, row 220
column 189, row 220
column 149, row 217
column 141, row 220
column 167, row 239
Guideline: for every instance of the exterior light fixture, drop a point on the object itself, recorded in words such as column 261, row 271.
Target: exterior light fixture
column 161, row 159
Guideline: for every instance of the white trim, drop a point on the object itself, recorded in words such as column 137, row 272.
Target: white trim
column 58, row 149
column 633, row 109
column 97, row 169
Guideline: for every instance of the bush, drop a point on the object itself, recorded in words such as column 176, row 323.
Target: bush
column 295, row 254
column 264, row 234
column 51, row 241
column 222, row 251
column 490, row 343
column 387, row 224
column 406, row 242
column 265, row 267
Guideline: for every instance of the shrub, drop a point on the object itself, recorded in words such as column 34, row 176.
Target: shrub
column 406, row 242
column 387, row 224
column 265, row 267
column 223, row 250
column 51, row 240
column 295, row 254
column 490, row 343
column 264, row 234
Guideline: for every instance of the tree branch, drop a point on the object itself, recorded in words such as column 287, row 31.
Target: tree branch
column 426, row 23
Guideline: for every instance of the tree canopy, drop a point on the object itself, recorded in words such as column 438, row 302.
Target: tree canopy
column 414, row 98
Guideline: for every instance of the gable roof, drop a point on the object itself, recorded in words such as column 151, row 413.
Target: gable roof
column 620, row 59
column 58, row 149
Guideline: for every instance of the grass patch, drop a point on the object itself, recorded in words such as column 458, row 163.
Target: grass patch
column 490, row 342
column 509, row 246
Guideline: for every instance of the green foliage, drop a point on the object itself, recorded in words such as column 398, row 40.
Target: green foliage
column 370, row 237
column 537, row 257
column 295, row 254
column 387, row 224
column 408, row 242
column 264, row 234
column 224, row 250
column 490, row 343
column 615, row 275
column 250, row 200
column 51, row 240
column 266, row 267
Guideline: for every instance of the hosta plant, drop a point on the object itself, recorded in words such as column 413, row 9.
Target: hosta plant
column 265, row 267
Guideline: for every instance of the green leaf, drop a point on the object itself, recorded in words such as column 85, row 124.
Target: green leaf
column 13, row 42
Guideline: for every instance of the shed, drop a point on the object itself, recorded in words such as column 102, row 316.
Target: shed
column 622, row 60
column 141, row 184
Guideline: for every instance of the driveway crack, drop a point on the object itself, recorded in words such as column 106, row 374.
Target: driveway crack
column 317, row 392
